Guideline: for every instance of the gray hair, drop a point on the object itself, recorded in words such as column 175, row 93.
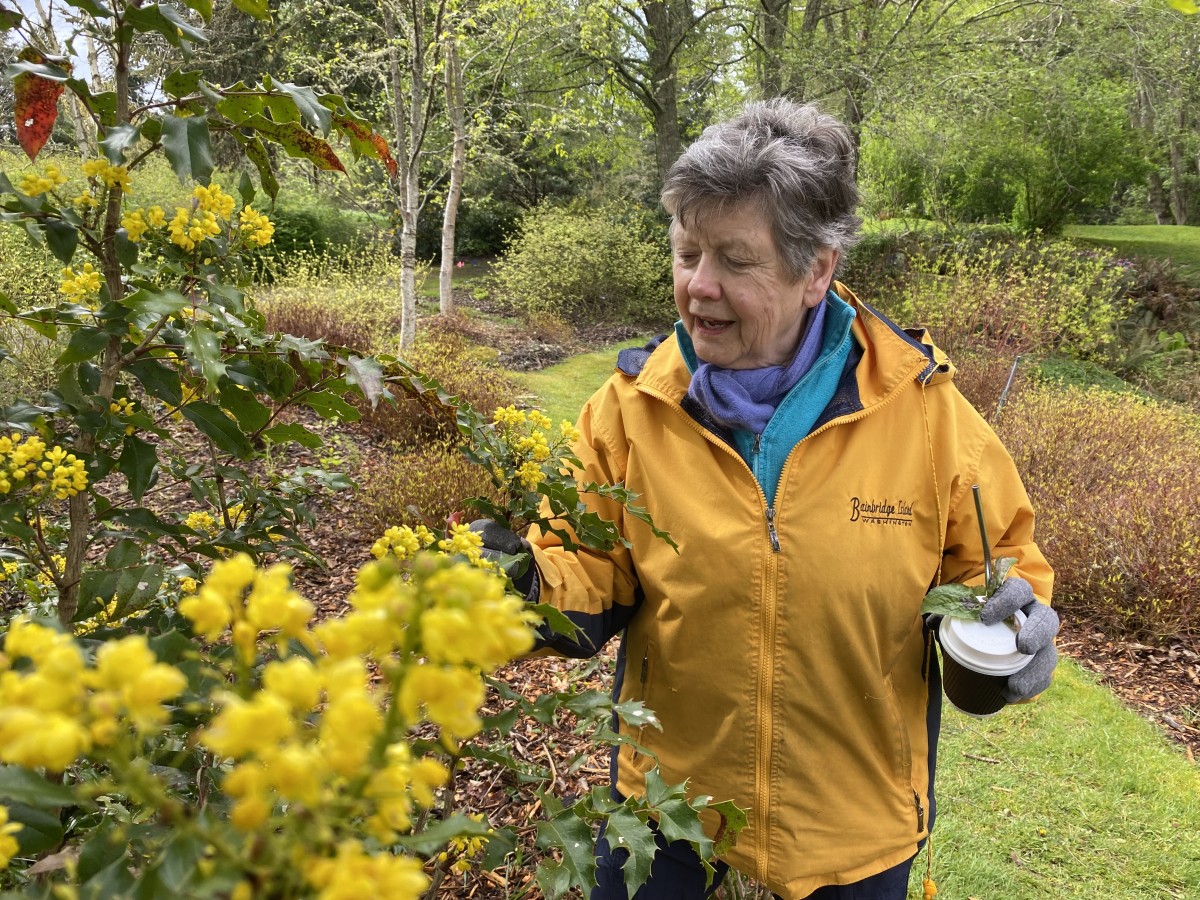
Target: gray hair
column 792, row 160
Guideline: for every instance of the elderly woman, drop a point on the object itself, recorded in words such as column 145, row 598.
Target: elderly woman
column 814, row 462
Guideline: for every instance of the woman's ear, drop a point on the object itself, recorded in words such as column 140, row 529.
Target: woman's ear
column 820, row 276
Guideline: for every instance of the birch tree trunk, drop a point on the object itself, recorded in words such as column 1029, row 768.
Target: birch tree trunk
column 457, row 113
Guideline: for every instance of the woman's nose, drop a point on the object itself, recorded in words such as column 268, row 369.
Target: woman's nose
column 704, row 283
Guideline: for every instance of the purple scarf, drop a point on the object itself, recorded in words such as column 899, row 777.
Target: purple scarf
column 747, row 398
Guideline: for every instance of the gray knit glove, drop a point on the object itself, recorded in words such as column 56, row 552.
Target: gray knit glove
column 1036, row 636
column 502, row 545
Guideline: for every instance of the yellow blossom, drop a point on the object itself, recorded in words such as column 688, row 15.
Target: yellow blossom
column 135, row 224
column 258, row 229
column 354, row 874
column 244, row 727
column 9, row 846
column 81, row 287
column 451, row 696
column 208, row 611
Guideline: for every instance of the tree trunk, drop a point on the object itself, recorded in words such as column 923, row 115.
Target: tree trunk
column 664, row 29
column 456, row 110
column 772, row 28
column 1158, row 198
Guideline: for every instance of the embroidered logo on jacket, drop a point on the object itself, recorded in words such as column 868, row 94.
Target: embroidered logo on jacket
column 881, row 512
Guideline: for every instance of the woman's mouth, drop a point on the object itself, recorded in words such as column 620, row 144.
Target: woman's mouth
column 712, row 326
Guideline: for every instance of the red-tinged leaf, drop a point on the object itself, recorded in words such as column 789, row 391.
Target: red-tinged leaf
column 365, row 142
column 297, row 142
column 35, row 105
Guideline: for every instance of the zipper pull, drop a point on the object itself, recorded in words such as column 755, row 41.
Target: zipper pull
column 920, row 812
column 771, row 532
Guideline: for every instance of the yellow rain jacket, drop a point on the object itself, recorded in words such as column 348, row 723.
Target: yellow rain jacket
column 782, row 648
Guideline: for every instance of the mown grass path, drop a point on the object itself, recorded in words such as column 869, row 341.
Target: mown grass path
column 1178, row 243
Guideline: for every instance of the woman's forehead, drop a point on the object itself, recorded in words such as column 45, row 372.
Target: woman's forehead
column 728, row 226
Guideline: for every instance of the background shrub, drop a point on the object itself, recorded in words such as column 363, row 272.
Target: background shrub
column 463, row 369
column 610, row 263
column 29, row 277
column 1113, row 479
column 420, row 486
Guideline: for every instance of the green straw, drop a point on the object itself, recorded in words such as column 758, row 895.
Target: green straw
column 987, row 552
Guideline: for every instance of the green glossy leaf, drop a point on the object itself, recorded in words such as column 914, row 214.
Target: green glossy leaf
column 21, row 785
column 367, row 375
column 188, row 147
column 125, row 553
column 117, row 140
column 6, row 304
column 955, row 600
column 626, row 831
column 139, row 464
column 177, row 864
column 1000, row 570
column 40, row 830
column 133, row 588
column 677, row 819
column 636, row 714
column 127, row 250
column 181, row 84
column 155, row 302
column 436, row 836
column 293, row 432
column 501, row 843
column 246, row 189
column 256, row 8
column 85, row 343
column 256, row 152
column 160, row 381
column 572, row 836
column 62, row 239
column 204, row 348
column 105, row 846
column 329, row 405
column 163, row 19
column 251, row 415
column 212, row 421
column 93, row 8
column 554, row 879
column 316, row 116
column 10, row 19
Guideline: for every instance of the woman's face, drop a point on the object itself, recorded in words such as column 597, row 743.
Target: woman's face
column 733, row 292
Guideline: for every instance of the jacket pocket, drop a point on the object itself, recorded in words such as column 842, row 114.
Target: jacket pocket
column 643, row 673
column 902, row 746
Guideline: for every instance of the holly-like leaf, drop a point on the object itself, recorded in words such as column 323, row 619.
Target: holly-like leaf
column 188, row 147
column 165, row 20
column 133, row 589
column 573, row 837
column 314, row 114
column 204, row 347
column 35, row 99
column 257, row 154
column 40, row 830
column 955, row 600
column 250, row 414
column 224, row 431
column 733, row 820
column 10, row 19
column 93, row 8
column 678, row 820
column 62, row 239
column 180, row 84
column 293, row 432
column 636, row 714
column 365, row 141
column 86, row 343
column 328, row 405
column 367, row 374
column 117, row 140
column 139, row 464
column 626, row 831
column 297, row 141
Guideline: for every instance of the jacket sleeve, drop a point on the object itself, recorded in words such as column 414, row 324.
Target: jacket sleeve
column 1008, row 514
column 596, row 590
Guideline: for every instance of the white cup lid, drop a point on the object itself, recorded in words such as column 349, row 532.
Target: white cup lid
column 989, row 649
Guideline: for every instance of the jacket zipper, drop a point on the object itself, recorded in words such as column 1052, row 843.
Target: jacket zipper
column 920, row 811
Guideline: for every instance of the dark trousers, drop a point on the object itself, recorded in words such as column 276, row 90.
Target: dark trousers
column 677, row 874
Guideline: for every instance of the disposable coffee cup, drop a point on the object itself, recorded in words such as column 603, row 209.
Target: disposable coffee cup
column 977, row 661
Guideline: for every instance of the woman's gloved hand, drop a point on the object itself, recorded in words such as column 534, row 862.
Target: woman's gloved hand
column 1036, row 636
column 502, row 544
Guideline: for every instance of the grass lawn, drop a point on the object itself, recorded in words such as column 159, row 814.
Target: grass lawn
column 1074, row 797
column 1178, row 243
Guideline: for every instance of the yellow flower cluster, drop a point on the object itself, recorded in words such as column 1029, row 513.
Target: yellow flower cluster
column 526, row 439
column 81, row 287
column 55, row 709
column 202, row 219
column 247, row 600
column 461, row 541
column 461, row 849
column 34, row 185
column 137, row 221
column 25, row 460
column 259, row 230
column 8, row 568
column 8, row 843
column 44, row 577
column 202, row 522
column 122, row 406
column 354, row 874
column 402, row 542
column 109, row 175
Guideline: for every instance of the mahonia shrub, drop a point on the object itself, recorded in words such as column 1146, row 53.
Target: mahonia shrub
column 280, row 758
column 587, row 265
column 1113, row 479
